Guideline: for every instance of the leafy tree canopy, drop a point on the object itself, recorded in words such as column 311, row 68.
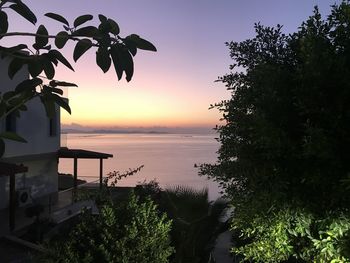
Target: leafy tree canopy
column 285, row 141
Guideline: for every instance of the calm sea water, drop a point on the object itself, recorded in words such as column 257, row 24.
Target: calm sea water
column 168, row 158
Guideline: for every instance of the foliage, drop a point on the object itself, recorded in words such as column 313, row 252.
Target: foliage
column 295, row 233
column 196, row 223
column 285, row 147
column 42, row 58
column 104, row 194
column 196, row 220
column 127, row 231
column 150, row 189
column 113, row 177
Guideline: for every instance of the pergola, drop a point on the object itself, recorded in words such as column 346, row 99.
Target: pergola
column 83, row 154
column 10, row 170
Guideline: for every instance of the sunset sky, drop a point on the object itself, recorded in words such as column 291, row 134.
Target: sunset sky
column 174, row 86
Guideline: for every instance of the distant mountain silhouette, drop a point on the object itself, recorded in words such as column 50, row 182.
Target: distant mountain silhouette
column 77, row 128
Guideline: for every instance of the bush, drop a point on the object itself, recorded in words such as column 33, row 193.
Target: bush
column 196, row 223
column 127, row 232
column 295, row 234
column 196, row 220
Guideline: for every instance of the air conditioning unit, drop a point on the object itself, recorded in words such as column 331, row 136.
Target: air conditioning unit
column 24, row 197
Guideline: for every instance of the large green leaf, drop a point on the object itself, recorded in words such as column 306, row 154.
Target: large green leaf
column 102, row 18
column 81, row 47
column 146, row 45
column 49, row 89
column 82, row 19
column 103, row 59
column 114, row 28
column 49, row 105
column 46, row 56
column 131, row 45
column 58, row 91
column 122, row 61
column 55, row 83
column 88, row 31
column 128, row 64
column 28, row 84
column 24, row 11
column 142, row 43
column 12, row 136
column 55, row 54
column 15, row 102
column 61, row 39
column 58, row 18
column 14, row 49
column 49, row 99
column 4, row 24
column 104, row 28
column 8, row 95
column 48, row 67
column 35, row 66
column 15, row 65
column 108, row 26
column 41, row 39
column 62, row 103
column 117, row 61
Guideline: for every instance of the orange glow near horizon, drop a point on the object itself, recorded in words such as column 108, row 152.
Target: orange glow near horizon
column 125, row 108
column 102, row 101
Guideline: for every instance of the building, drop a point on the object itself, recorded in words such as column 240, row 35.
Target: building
column 33, row 165
column 39, row 153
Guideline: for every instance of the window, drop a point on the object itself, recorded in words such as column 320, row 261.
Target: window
column 11, row 125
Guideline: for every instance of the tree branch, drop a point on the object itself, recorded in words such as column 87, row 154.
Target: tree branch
column 11, row 34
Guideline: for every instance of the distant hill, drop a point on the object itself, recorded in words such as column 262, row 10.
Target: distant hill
column 76, row 128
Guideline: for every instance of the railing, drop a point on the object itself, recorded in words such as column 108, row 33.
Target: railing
column 68, row 196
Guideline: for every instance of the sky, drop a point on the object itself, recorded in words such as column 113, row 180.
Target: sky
column 174, row 86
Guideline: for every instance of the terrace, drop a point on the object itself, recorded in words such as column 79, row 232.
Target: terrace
column 58, row 206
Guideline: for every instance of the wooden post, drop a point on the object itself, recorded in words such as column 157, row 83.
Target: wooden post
column 75, row 182
column 12, row 215
column 101, row 172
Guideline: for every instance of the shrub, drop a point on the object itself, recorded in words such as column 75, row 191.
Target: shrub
column 126, row 232
column 289, row 234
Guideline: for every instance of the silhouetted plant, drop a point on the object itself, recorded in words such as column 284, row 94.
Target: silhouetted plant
column 103, row 195
column 112, row 178
column 285, row 148
column 149, row 189
column 43, row 58
column 196, row 223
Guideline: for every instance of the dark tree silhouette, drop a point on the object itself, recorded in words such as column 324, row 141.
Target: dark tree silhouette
column 284, row 159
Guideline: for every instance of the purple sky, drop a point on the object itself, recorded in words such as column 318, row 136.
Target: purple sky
column 174, row 86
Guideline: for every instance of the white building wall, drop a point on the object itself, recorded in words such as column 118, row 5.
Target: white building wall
column 39, row 153
column 33, row 125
